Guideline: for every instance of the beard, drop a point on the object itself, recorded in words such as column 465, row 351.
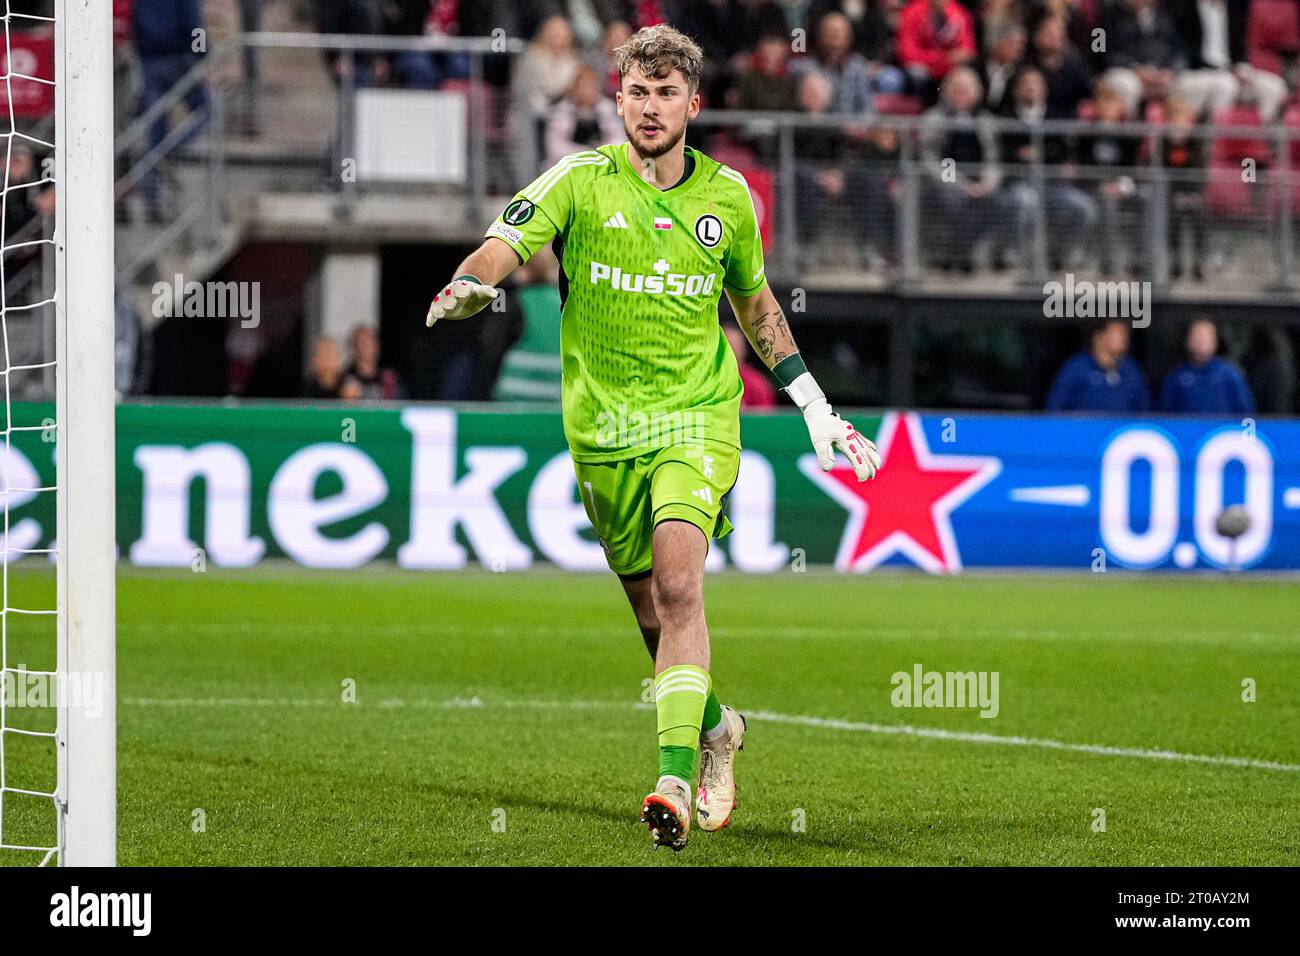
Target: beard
column 653, row 149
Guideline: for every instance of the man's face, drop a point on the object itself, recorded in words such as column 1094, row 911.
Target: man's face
column 327, row 360
column 655, row 111
column 961, row 94
column 835, row 35
column 1114, row 339
column 1202, row 342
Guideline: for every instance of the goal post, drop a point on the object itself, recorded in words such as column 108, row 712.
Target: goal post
column 85, row 406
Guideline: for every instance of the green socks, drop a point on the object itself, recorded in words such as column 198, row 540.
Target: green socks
column 681, row 693
column 712, row 712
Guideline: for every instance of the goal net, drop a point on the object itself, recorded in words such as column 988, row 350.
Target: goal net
column 57, row 713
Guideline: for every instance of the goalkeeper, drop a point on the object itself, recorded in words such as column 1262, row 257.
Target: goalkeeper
column 649, row 233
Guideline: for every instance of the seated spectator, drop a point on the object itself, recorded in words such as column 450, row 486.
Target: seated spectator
column 959, row 151
column 830, row 174
column 872, row 36
column 1213, row 34
column 546, row 71
column 1004, row 46
column 1066, row 74
column 1111, row 157
column 1183, row 154
column 1103, row 377
column 1079, row 16
column 603, row 60
column 346, row 16
column 1206, row 383
column 373, row 380
column 766, row 83
column 584, row 119
column 933, row 37
column 423, row 69
column 759, row 390
column 854, row 81
column 1070, row 212
column 1143, row 52
column 727, row 31
column 327, row 378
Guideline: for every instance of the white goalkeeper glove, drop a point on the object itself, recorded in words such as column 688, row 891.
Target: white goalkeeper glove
column 830, row 433
column 459, row 300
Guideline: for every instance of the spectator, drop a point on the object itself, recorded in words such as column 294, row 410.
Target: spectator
column 962, row 198
column 167, row 36
column 820, row 182
column 871, row 34
column 727, row 31
column 1206, row 383
column 349, row 16
column 543, row 77
column 1005, row 49
column 828, row 175
column 1068, row 81
column 1213, row 34
column 1183, row 154
column 326, row 378
column 584, row 119
column 1070, row 212
column 603, row 60
column 759, row 391
column 854, row 81
column 423, row 69
column 1103, row 377
column 373, row 380
column 1143, row 52
column 1111, row 156
column 933, row 37
column 767, row 84
column 548, row 67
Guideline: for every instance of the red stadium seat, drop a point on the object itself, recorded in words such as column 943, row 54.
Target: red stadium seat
column 1273, row 34
column 899, row 104
column 1227, row 192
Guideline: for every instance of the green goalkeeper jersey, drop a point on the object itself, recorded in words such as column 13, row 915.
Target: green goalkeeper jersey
column 645, row 362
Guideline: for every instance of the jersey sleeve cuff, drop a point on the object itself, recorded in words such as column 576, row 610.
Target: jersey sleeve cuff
column 747, row 293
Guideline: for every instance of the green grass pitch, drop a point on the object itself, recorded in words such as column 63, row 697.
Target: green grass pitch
column 498, row 719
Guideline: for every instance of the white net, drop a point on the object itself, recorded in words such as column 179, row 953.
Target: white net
column 30, row 819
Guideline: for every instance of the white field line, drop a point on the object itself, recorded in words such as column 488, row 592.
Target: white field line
column 822, row 723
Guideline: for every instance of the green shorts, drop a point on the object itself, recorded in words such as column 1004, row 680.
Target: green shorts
column 625, row 499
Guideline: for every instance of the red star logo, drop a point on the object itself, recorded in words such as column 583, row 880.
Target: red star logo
column 907, row 507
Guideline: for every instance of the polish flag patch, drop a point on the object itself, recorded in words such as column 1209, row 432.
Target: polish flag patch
column 663, row 223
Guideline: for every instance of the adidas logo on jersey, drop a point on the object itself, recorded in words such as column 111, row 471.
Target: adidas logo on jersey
column 704, row 494
column 616, row 221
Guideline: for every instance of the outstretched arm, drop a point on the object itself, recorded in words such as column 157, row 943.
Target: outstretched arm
column 475, row 281
column 765, row 325
column 761, row 319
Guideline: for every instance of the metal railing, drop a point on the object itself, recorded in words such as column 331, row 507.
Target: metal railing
column 886, row 224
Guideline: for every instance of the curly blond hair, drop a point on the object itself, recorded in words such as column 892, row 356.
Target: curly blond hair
column 658, row 50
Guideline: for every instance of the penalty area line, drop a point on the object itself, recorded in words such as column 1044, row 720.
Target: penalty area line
column 768, row 716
